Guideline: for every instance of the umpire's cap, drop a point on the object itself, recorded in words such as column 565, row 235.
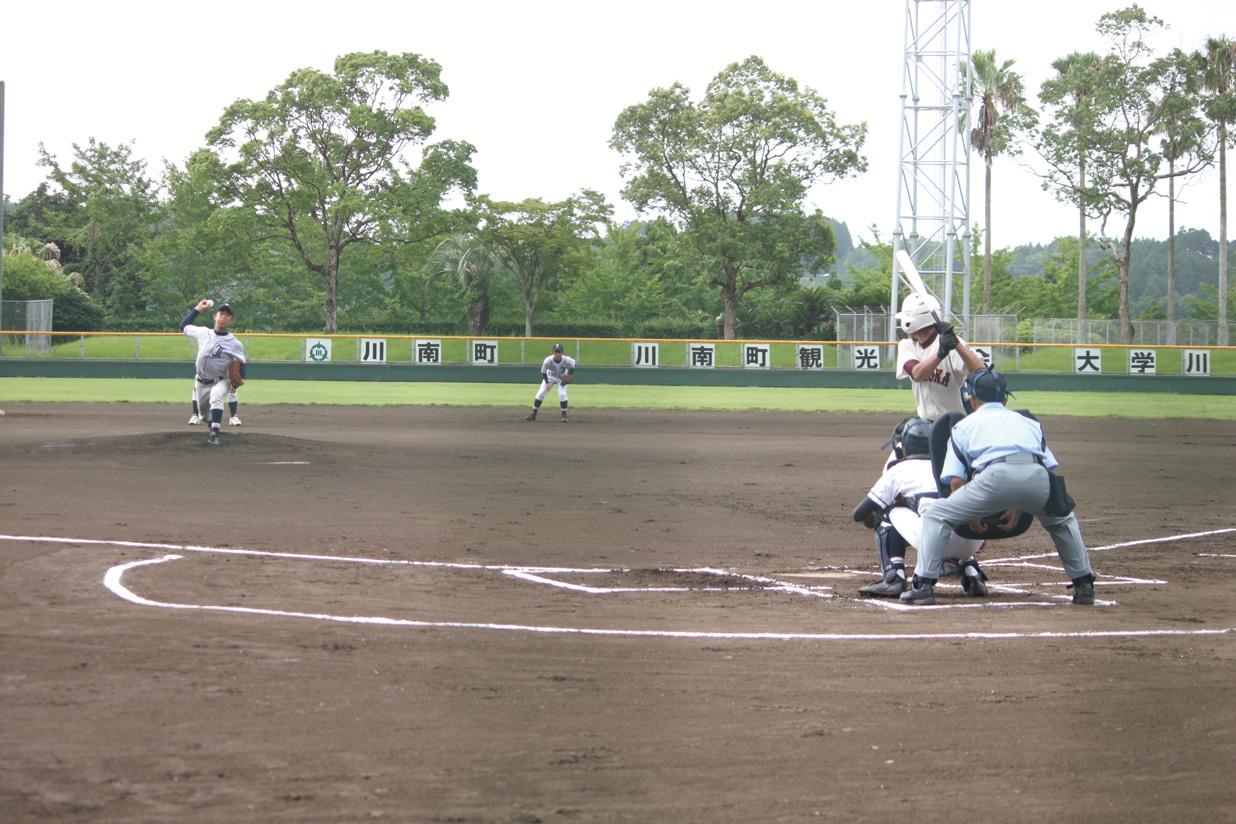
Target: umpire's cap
column 558, row 347
column 988, row 385
column 225, row 307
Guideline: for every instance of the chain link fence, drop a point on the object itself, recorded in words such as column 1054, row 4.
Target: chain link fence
column 1145, row 332
column 32, row 316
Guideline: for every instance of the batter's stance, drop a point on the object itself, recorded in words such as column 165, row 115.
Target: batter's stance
column 557, row 370
column 998, row 461
column 220, row 361
column 934, row 359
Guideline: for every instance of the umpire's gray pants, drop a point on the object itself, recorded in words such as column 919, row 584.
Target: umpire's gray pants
column 997, row 488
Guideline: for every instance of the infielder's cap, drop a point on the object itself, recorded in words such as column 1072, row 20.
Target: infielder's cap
column 988, row 385
column 558, row 347
column 225, row 307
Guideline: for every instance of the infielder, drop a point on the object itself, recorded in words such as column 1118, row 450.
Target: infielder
column 557, row 370
column 997, row 461
column 233, row 404
column 933, row 358
column 894, row 508
column 220, row 361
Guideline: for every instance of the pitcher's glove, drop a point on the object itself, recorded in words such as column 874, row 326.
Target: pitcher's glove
column 234, row 375
column 566, row 377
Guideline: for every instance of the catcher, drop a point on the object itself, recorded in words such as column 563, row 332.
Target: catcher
column 220, row 361
column 557, row 370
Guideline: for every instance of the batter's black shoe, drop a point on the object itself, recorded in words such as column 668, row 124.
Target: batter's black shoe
column 563, row 418
column 974, row 583
column 213, row 438
column 921, row 593
column 1083, row 590
column 531, row 416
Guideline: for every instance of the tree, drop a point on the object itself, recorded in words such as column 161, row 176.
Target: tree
column 733, row 171
column 538, row 242
column 1071, row 96
column 320, row 161
column 1002, row 113
column 1183, row 141
column 102, row 212
column 1218, row 63
column 1126, row 163
column 463, row 259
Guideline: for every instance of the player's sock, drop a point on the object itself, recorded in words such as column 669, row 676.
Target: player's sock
column 231, row 405
column 896, row 569
column 216, row 418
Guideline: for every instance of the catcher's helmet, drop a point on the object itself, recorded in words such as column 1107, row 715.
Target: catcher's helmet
column 912, row 436
column 558, row 347
column 916, row 313
column 988, row 385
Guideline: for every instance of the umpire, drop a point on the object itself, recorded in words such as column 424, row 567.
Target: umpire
column 997, row 461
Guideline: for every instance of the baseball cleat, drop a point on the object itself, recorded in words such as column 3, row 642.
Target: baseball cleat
column 1083, row 591
column 531, row 417
column 885, row 589
column 920, row 593
column 213, row 438
column 233, row 421
column 973, row 579
column 563, row 419
column 195, row 420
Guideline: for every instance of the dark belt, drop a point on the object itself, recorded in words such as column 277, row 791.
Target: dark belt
column 1019, row 458
column 205, row 382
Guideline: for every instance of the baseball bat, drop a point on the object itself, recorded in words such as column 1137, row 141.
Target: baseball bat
column 909, row 273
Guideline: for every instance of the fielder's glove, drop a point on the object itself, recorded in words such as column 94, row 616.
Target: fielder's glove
column 566, row 377
column 948, row 339
column 234, row 375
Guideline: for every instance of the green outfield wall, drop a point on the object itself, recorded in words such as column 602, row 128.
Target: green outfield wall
column 660, row 376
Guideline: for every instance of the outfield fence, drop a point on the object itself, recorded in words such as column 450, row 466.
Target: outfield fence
column 873, row 355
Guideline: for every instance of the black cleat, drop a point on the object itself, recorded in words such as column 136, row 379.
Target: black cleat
column 975, row 585
column 531, row 417
column 886, row 588
column 213, row 438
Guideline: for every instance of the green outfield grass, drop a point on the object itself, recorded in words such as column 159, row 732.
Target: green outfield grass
column 584, row 396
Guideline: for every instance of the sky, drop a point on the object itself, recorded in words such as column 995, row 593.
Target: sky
column 536, row 85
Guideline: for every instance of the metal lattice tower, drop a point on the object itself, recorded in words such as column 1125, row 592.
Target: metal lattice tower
column 933, row 152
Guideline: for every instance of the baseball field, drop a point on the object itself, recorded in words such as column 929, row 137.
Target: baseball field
column 446, row 614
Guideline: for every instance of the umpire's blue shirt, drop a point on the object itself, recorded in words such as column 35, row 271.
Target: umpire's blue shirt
column 991, row 432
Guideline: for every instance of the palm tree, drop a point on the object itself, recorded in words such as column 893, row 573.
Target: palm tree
column 474, row 269
column 1218, row 63
column 1003, row 111
column 1183, row 144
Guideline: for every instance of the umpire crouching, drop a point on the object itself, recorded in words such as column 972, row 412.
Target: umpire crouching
column 998, row 461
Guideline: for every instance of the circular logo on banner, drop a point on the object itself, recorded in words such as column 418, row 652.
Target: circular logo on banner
column 318, row 353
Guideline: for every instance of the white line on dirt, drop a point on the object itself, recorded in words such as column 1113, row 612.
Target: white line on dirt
column 112, row 580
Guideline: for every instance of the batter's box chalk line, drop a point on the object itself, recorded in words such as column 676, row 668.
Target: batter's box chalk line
column 113, row 581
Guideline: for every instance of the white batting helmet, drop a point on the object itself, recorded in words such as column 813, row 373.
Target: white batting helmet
column 916, row 313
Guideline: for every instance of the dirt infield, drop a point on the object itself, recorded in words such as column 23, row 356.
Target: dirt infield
column 450, row 615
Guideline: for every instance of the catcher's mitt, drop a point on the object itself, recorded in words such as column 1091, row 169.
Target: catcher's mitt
column 233, row 374
column 566, row 377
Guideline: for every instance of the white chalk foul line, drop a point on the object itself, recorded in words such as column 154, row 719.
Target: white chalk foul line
column 1166, row 539
column 112, row 580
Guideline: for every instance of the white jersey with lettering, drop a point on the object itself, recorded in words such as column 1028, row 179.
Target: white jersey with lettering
column 940, row 393
column 214, row 351
column 552, row 370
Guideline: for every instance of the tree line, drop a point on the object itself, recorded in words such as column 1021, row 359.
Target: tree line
column 328, row 204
